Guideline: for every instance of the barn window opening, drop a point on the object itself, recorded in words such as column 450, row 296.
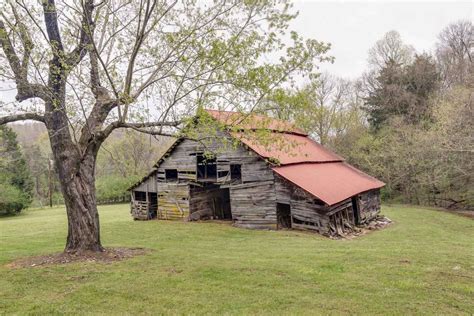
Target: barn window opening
column 222, row 174
column 171, row 175
column 206, row 167
column 140, row 196
column 236, row 173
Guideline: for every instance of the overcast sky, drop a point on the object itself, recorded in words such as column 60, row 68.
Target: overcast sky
column 353, row 27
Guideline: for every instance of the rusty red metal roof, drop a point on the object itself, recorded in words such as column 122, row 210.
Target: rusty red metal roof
column 252, row 121
column 301, row 160
column 284, row 148
column 330, row 182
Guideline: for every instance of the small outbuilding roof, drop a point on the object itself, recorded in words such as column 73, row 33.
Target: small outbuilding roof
column 329, row 182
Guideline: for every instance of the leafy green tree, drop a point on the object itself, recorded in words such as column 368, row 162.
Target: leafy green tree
column 16, row 186
column 323, row 108
column 93, row 65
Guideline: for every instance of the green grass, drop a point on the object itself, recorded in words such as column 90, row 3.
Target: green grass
column 422, row 264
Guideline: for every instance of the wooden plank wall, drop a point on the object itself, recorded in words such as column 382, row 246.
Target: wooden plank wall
column 149, row 185
column 308, row 213
column 252, row 198
column 253, row 204
column 182, row 158
column 173, row 200
column 341, row 218
column 369, row 205
column 201, row 201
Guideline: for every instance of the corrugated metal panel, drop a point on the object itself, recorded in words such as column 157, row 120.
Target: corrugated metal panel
column 330, row 182
column 253, row 121
column 287, row 148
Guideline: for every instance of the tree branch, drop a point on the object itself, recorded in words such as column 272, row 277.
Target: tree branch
column 87, row 33
column 52, row 28
column 109, row 129
column 21, row 117
column 25, row 90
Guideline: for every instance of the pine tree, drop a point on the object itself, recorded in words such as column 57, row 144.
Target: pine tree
column 16, row 185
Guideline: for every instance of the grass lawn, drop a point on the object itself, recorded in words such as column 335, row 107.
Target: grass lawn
column 422, row 264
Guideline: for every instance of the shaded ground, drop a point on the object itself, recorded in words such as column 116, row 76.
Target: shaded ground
column 420, row 264
column 109, row 255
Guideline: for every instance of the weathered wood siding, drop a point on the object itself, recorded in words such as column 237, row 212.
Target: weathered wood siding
column 201, row 201
column 307, row 212
column 252, row 198
column 369, row 205
column 183, row 159
column 253, row 204
column 341, row 218
column 149, row 185
column 173, row 200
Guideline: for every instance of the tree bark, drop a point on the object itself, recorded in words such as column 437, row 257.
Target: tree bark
column 83, row 219
column 75, row 166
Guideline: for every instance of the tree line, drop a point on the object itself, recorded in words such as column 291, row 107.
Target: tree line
column 407, row 120
column 123, row 160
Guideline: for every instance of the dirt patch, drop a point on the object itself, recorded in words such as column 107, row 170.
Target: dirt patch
column 109, row 255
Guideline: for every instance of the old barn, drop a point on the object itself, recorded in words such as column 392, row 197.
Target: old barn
column 258, row 172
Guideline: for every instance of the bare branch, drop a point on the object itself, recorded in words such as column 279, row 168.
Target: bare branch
column 87, row 31
column 109, row 129
column 25, row 90
column 21, row 117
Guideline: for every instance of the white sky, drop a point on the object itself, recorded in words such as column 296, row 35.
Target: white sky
column 352, row 27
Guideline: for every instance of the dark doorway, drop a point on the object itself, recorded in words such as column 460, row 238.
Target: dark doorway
column 221, row 205
column 152, row 205
column 355, row 208
column 283, row 216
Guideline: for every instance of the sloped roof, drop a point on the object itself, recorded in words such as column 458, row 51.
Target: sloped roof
column 329, row 182
column 298, row 158
column 287, row 148
column 254, row 121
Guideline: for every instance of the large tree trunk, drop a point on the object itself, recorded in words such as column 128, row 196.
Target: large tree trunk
column 76, row 167
column 83, row 218
column 78, row 189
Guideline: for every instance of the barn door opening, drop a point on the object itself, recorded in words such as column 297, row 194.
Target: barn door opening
column 152, row 205
column 221, row 205
column 283, row 216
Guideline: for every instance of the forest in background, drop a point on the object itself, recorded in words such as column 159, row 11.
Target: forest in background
column 124, row 159
column 407, row 121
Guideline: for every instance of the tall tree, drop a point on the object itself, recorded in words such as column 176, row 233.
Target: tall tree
column 323, row 108
column 94, row 65
column 402, row 90
column 390, row 49
column 454, row 52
